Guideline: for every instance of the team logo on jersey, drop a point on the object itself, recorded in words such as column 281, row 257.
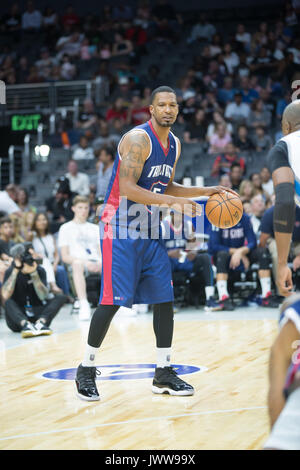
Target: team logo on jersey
column 122, row 372
column 160, row 170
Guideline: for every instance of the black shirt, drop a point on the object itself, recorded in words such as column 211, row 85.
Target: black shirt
column 278, row 156
column 6, row 246
column 24, row 287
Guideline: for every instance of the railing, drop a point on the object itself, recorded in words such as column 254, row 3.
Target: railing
column 53, row 96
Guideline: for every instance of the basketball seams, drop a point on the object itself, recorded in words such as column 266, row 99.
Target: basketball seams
column 219, row 203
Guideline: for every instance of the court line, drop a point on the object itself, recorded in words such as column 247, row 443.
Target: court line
column 131, row 421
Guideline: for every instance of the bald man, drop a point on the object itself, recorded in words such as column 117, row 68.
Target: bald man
column 284, row 163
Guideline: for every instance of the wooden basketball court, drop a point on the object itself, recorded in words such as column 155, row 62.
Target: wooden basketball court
column 228, row 410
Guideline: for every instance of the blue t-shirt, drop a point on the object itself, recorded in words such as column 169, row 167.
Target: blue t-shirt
column 267, row 224
column 235, row 237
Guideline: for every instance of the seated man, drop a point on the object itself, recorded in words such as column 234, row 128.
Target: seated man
column 284, row 380
column 267, row 239
column 186, row 256
column 235, row 249
column 78, row 241
column 25, row 295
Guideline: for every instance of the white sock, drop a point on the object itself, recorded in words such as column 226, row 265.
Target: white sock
column 90, row 356
column 265, row 283
column 209, row 292
column 163, row 357
column 222, row 289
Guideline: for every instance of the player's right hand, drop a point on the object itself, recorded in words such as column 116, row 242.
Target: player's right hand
column 284, row 280
column 187, row 207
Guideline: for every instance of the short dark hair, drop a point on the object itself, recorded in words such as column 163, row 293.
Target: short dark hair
column 110, row 149
column 161, row 89
column 5, row 220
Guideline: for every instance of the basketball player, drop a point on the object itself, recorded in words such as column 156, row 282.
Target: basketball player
column 136, row 269
column 284, row 163
column 284, row 380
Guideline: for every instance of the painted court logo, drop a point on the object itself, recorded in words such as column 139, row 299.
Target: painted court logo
column 122, row 372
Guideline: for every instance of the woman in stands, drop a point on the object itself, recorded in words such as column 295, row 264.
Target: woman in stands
column 44, row 244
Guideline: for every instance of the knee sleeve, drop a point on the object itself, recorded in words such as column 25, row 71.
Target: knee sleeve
column 100, row 322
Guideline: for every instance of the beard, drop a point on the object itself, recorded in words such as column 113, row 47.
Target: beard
column 165, row 123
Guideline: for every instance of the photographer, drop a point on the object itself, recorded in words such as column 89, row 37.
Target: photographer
column 25, row 295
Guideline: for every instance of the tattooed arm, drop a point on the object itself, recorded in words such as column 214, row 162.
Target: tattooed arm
column 8, row 286
column 134, row 151
column 40, row 288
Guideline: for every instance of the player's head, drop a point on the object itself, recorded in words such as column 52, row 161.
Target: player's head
column 164, row 106
column 291, row 118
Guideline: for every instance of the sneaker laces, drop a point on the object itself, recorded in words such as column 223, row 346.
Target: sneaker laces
column 173, row 373
column 89, row 376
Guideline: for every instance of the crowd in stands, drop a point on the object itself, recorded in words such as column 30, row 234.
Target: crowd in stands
column 231, row 99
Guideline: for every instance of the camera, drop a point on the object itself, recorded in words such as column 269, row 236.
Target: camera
column 21, row 251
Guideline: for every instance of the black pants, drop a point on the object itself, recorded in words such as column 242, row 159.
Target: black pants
column 14, row 314
column 259, row 255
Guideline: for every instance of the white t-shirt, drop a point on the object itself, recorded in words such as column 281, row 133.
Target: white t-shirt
column 79, row 184
column 7, row 204
column 82, row 239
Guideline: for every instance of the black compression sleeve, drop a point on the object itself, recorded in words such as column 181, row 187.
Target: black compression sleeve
column 284, row 210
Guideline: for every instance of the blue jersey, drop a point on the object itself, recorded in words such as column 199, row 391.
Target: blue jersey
column 121, row 212
column 292, row 313
column 234, row 237
column 176, row 238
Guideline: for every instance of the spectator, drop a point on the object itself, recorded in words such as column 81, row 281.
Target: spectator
column 26, row 225
column 224, row 162
column 227, row 92
column 105, row 51
column 50, row 19
column 121, row 46
column 79, row 182
column 6, row 238
column 231, row 253
column 243, row 37
column 59, row 206
column 12, row 21
column 70, row 45
column 258, row 207
column 195, row 131
column 22, row 70
column 105, row 137
column 258, row 116
column 70, row 18
column 267, row 182
column 7, row 68
column 137, row 113
column 225, row 181
column 202, row 30
column 106, row 158
column 217, row 119
column 237, row 111
column 34, row 75
column 248, row 94
column 83, row 151
column 242, row 140
column 215, row 47
column 45, row 63
column 67, row 69
column 25, row 297
column 117, row 111
column 256, row 180
column 219, row 141
column 23, row 201
column 261, row 141
column 44, row 245
column 123, row 90
column 180, row 242
column 246, row 191
column 87, row 119
column 31, row 19
column 9, row 199
column 281, row 104
column 236, row 175
column 152, row 79
column 231, row 59
column 78, row 241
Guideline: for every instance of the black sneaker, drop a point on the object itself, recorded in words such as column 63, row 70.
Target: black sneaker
column 28, row 330
column 226, row 303
column 86, row 383
column 42, row 329
column 166, row 380
column 270, row 301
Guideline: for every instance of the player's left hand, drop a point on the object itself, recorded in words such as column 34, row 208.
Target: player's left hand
column 210, row 190
column 284, row 280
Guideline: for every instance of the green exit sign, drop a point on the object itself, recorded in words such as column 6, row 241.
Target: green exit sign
column 25, row 122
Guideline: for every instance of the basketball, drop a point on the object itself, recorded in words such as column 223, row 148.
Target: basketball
column 224, row 210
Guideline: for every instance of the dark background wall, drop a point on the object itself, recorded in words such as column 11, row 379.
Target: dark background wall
column 95, row 6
